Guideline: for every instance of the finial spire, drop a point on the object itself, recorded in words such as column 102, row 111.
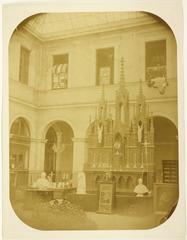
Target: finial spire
column 102, row 104
column 140, row 87
column 96, row 113
column 122, row 73
column 103, row 93
column 152, row 124
column 90, row 119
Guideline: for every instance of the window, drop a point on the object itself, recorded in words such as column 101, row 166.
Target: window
column 155, row 60
column 60, row 71
column 24, row 65
column 170, row 171
column 105, row 66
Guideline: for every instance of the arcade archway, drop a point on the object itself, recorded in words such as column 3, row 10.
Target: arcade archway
column 59, row 150
column 166, row 150
column 19, row 153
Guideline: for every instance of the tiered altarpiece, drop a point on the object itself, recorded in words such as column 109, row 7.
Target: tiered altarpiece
column 121, row 148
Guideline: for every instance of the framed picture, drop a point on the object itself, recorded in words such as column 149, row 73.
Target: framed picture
column 165, row 197
column 106, row 197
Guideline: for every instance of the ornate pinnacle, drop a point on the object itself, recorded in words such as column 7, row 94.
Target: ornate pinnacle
column 152, row 124
column 96, row 113
column 103, row 93
column 140, row 87
column 122, row 73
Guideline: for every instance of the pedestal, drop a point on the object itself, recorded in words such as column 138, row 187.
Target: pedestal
column 106, row 197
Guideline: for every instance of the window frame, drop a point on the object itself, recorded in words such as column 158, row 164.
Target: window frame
column 162, row 67
column 97, row 80
column 24, row 67
column 52, row 79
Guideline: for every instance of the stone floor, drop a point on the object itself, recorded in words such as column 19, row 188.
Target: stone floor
column 80, row 220
column 122, row 222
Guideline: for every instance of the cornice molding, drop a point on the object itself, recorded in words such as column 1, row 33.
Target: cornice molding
column 119, row 25
column 86, row 104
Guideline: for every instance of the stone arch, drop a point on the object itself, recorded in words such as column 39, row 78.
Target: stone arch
column 121, row 182
column 114, row 178
column 20, row 124
column 52, row 122
column 166, row 122
column 130, row 183
column 58, row 149
column 19, row 153
column 26, row 119
column 170, row 118
column 166, row 145
column 97, row 179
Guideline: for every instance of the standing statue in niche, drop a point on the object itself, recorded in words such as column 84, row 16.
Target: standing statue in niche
column 140, row 108
column 140, row 131
column 100, row 133
column 141, row 189
column 117, row 144
column 81, row 183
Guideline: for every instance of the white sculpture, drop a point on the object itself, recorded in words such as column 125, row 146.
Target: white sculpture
column 42, row 182
column 117, row 146
column 140, row 189
column 140, row 131
column 100, row 133
column 81, row 183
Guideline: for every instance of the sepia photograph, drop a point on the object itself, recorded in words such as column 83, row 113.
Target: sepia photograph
column 93, row 121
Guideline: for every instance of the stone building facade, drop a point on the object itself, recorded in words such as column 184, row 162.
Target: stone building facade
column 56, row 74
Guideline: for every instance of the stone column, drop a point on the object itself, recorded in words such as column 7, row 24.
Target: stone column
column 36, row 159
column 79, row 157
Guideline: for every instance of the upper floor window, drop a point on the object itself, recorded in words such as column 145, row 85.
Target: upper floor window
column 24, row 65
column 105, row 66
column 60, row 71
column 155, row 61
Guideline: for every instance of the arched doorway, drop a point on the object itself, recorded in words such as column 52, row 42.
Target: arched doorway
column 19, row 153
column 166, row 150
column 59, row 151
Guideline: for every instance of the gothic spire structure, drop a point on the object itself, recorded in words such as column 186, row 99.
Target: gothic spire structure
column 140, row 87
column 103, row 93
column 140, row 94
column 102, row 108
column 122, row 74
column 122, row 97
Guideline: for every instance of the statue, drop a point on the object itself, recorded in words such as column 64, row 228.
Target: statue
column 117, row 144
column 141, row 189
column 140, row 108
column 100, row 133
column 42, row 182
column 140, row 131
column 81, row 183
column 107, row 176
column 50, row 177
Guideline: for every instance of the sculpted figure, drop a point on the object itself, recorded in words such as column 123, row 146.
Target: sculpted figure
column 42, row 182
column 140, row 189
column 81, row 183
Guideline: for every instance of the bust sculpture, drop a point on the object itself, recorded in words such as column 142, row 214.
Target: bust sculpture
column 42, row 182
column 140, row 189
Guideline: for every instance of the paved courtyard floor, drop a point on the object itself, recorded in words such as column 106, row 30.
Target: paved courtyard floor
column 126, row 222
